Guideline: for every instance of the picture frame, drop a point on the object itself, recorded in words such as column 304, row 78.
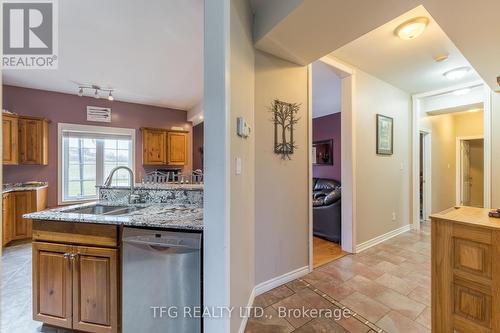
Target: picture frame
column 385, row 135
column 323, row 152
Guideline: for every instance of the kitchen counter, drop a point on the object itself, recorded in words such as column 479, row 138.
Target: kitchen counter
column 159, row 215
column 18, row 187
column 165, row 186
column 469, row 216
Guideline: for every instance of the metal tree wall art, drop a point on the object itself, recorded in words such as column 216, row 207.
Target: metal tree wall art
column 284, row 118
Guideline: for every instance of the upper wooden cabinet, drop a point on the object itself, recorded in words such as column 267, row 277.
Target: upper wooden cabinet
column 163, row 147
column 33, row 141
column 154, row 146
column 177, row 148
column 9, row 135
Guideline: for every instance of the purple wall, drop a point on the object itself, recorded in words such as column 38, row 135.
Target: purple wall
column 324, row 128
column 197, row 146
column 67, row 108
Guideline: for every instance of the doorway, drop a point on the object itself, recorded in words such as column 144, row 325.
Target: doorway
column 425, row 169
column 470, row 172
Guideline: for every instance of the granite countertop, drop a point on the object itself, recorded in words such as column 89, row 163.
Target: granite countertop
column 157, row 186
column 32, row 186
column 159, row 215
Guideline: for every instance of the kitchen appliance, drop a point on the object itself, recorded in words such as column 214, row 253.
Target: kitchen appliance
column 161, row 281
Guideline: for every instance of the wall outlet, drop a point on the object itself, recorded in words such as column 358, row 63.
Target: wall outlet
column 394, row 216
column 238, row 165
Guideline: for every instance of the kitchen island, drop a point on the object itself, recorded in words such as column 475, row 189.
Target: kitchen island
column 465, row 275
column 78, row 252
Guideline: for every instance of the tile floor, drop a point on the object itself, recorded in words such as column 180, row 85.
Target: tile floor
column 15, row 303
column 387, row 288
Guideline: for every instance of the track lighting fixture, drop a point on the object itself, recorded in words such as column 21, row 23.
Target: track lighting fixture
column 97, row 91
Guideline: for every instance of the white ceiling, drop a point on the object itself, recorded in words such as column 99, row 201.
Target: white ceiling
column 150, row 52
column 326, row 90
column 407, row 64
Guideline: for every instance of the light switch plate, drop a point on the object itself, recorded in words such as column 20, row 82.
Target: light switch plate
column 238, row 165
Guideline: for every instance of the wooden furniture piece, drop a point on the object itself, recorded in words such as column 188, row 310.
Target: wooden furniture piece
column 33, row 140
column 76, row 276
column 164, row 147
column 465, row 276
column 15, row 204
column 10, row 138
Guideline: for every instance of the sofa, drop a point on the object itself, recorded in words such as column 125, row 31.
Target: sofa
column 326, row 209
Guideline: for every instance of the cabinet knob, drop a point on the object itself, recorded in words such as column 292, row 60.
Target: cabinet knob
column 73, row 256
column 66, row 255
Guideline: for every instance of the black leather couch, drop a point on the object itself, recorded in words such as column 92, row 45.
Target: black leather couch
column 326, row 209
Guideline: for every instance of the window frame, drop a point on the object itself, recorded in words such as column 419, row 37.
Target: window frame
column 100, row 130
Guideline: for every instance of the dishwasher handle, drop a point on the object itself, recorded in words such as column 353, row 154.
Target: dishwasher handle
column 161, row 246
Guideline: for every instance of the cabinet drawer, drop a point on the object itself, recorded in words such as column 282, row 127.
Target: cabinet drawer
column 76, row 233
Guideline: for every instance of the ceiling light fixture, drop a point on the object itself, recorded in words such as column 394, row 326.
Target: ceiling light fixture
column 461, row 92
column 441, row 58
column 411, row 29
column 456, row 73
column 97, row 91
column 200, row 117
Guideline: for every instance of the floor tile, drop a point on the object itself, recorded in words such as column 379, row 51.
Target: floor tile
column 400, row 303
column 368, row 307
column 321, row 325
column 395, row 283
column 394, row 322
column 273, row 296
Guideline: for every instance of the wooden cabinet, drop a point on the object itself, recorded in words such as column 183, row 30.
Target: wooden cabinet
column 15, row 204
column 465, row 278
column 75, row 285
column 10, row 139
column 164, row 147
column 177, row 148
column 33, row 141
column 154, row 146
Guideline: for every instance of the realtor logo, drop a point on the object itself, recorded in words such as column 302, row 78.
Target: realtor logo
column 29, row 34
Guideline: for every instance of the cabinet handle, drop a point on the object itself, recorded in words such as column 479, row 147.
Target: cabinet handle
column 66, row 255
column 73, row 256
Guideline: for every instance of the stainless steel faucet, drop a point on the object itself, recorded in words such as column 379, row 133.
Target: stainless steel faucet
column 132, row 198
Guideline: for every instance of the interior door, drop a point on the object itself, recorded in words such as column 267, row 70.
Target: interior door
column 465, row 166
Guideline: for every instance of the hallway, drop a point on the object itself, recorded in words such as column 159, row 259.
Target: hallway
column 387, row 288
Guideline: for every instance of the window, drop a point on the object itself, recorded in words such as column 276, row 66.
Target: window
column 87, row 154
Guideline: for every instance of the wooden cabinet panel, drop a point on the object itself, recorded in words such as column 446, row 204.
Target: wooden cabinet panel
column 10, row 139
column 154, row 143
column 33, row 141
column 177, row 148
column 472, row 257
column 7, row 219
column 472, row 305
column 22, row 204
column 95, row 291
column 52, row 281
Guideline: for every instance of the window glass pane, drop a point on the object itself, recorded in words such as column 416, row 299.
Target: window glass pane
column 73, row 172
column 109, row 155
column 89, row 143
column 123, row 156
column 74, row 189
column 74, row 155
column 73, row 142
column 89, row 172
column 109, row 144
column 89, row 188
column 123, row 144
column 89, row 155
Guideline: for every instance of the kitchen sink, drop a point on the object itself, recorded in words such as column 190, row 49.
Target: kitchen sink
column 104, row 210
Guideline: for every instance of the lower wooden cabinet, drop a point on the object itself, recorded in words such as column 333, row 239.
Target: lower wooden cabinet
column 76, row 286
column 15, row 204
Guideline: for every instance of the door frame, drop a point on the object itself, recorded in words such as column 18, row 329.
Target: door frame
column 416, row 110
column 348, row 212
column 427, row 188
column 458, row 167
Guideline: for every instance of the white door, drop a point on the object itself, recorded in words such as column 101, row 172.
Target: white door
column 465, row 166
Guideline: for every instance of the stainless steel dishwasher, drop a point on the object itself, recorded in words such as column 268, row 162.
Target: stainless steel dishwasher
column 161, row 281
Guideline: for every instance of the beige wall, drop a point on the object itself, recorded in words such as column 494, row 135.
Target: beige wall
column 495, row 149
column 382, row 182
column 445, row 129
column 281, row 186
column 242, row 209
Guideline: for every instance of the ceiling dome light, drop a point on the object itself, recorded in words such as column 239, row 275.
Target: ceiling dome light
column 96, row 94
column 412, row 29
column 80, row 92
column 456, row 73
column 460, row 92
column 110, row 96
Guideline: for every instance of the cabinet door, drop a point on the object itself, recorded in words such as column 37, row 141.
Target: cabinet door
column 22, row 204
column 95, row 290
column 154, row 147
column 177, row 148
column 33, row 141
column 9, row 135
column 7, row 218
column 52, row 280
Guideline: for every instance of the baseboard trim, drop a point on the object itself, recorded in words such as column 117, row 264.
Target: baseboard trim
column 244, row 321
column 280, row 280
column 382, row 238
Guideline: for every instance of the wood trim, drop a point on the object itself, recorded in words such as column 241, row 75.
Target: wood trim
column 76, row 233
column 163, row 129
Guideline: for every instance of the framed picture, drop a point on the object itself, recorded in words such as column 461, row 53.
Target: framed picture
column 323, row 152
column 385, row 135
